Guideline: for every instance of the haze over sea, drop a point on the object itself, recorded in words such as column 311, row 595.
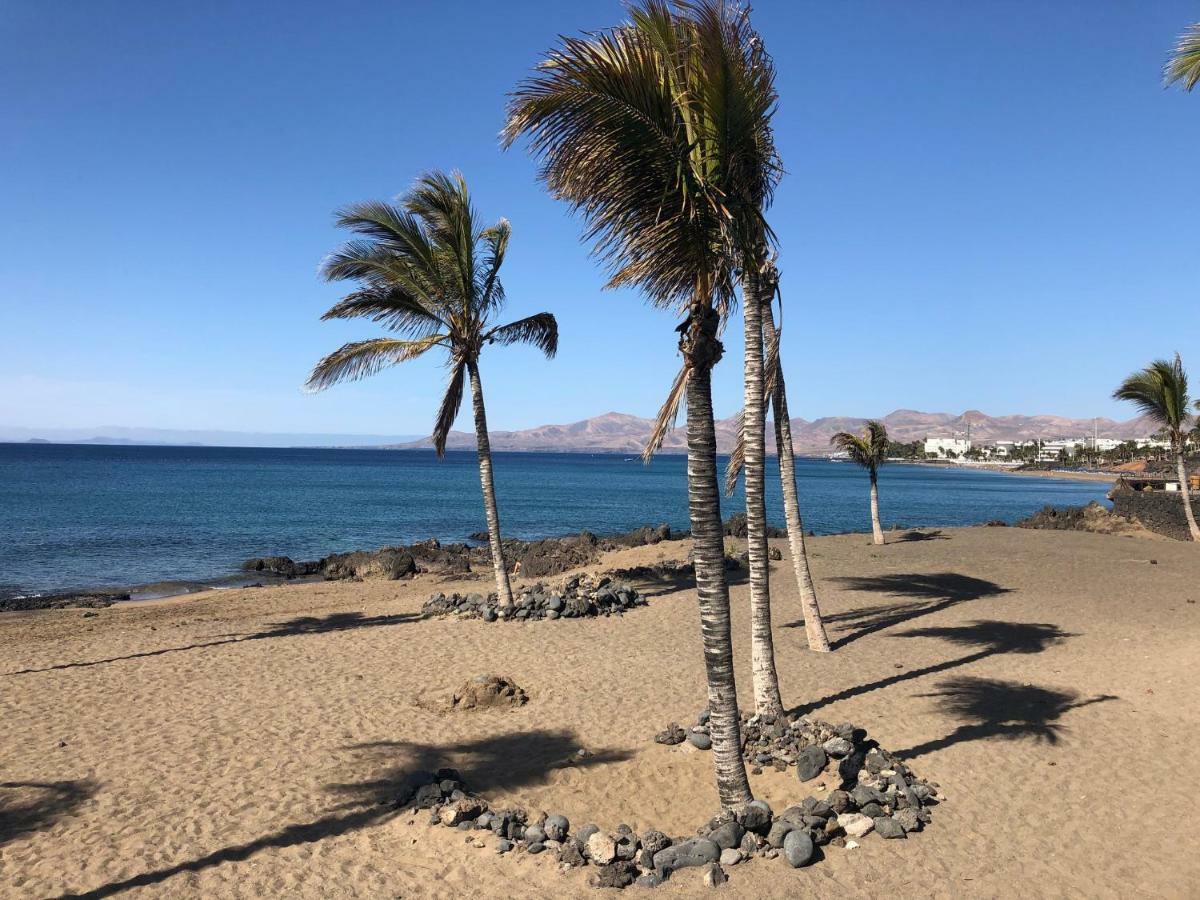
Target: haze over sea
column 76, row 516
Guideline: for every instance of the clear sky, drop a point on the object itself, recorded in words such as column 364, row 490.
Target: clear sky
column 988, row 205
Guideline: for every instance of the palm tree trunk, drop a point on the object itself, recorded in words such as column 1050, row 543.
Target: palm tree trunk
column 767, row 700
column 1186, row 492
column 503, row 589
column 702, row 349
column 876, row 530
column 814, row 625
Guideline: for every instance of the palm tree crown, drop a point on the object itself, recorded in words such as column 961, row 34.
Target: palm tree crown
column 1184, row 64
column 657, row 131
column 429, row 272
column 869, row 450
column 1160, row 391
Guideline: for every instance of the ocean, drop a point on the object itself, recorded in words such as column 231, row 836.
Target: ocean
column 80, row 516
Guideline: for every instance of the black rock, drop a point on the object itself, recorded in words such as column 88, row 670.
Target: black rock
column 887, row 827
column 779, row 830
column 571, row 854
column 699, row 740
column 810, row 763
column 727, row 836
column 556, row 827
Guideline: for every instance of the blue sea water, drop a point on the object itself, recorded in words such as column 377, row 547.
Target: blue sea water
column 75, row 516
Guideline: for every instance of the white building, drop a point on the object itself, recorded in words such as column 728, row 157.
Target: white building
column 943, row 446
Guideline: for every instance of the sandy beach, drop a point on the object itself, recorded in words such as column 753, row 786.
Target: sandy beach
column 239, row 743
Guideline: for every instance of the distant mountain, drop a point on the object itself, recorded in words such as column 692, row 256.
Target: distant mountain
column 120, row 435
column 621, row 433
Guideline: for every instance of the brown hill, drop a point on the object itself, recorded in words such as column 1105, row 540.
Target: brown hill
column 621, row 433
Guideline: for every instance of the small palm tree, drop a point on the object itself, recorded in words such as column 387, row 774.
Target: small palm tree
column 1184, row 64
column 428, row 271
column 1160, row 391
column 869, row 450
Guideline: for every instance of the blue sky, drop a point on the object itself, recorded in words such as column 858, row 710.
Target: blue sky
column 988, row 205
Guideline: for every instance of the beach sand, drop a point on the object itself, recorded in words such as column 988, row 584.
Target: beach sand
column 238, row 743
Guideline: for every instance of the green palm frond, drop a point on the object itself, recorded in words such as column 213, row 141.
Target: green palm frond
column 540, row 330
column 1184, row 64
column 443, row 204
column 363, row 358
column 869, row 450
column 491, row 292
column 451, row 403
column 393, row 307
column 1160, row 391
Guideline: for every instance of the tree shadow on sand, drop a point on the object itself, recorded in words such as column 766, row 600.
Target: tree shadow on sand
column 661, row 579
column 910, row 537
column 27, row 806
column 488, row 766
column 930, row 593
column 340, row 621
column 1004, row 710
column 991, row 637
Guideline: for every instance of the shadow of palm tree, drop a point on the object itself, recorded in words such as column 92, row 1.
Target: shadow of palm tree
column 494, row 764
column 27, row 806
column 931, row 592
column 342, row 621
column 668, row 578
column 1005, row 710
column 909, row 537
column 990, row 636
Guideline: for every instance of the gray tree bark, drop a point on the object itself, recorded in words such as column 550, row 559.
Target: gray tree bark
column 814, row 625
column 702, row 349
column 503, row 589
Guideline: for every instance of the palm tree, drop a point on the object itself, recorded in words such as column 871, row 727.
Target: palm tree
column 775, row 392
column 1184, row 64
column 429, row 271
column 656, row 133
column 814, row 625
column 869, row 450
column 1160, row 391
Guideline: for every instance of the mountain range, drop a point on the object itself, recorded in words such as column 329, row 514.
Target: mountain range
column 622, row 433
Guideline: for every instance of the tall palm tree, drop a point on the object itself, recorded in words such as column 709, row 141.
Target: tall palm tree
column 775, row 393
column 430, row 272
column 654, row 132
column 814, row 625
column 1160, row 391
column 1184, row 65
column 869, row 450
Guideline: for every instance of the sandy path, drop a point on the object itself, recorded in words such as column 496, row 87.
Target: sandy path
column 237, row 744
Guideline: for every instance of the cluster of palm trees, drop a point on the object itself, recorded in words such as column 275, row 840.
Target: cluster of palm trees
column 658, row 134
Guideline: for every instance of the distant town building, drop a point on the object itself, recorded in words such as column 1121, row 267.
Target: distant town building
column 945, row 446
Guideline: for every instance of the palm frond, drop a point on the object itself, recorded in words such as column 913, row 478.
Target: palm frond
column 443, row 203
column 451, row 403
column 393, row 307
column 363, row 358
column 1159, row 391
column 540, row 330
column 737, row 456
column 668, row 414
column 491, row 291
column 1184, row 64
